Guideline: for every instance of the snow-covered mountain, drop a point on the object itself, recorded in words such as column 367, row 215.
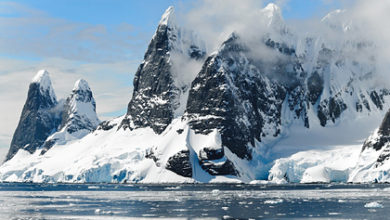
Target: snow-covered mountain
column 163, row 79
column 45, row 121
column 79, row 117
column 224, row 115
column 373, row 163
column 40, row 116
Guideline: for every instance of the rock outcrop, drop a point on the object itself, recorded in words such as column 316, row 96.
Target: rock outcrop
column 40, row 116
column 79, row 116
column 159, row 90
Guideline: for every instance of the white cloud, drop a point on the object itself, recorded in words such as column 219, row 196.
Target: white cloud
column 373, row 18
column 215, row 20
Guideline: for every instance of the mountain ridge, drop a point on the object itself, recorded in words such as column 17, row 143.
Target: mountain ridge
column 221, row 120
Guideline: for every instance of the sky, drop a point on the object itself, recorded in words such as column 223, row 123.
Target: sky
column 102, row 41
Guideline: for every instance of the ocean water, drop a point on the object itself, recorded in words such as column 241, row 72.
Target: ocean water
column 193, row 201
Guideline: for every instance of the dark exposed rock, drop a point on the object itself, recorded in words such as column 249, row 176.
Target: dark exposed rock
column 230, row 95
column 377, row 97
column 106, row 126
column 282, row 47
column 384, row 129
column 150, row 154
column 39, row 119
column 78, row 116
column 47, row 145
column 154, row 90
column 155, row 95
column 315, row 85
column 210, row 154
column 330, row 109
column 225, row 168
column 214, row 162
column 385, row 155
column 382, row 140
column 180, row 163
column 196, row 53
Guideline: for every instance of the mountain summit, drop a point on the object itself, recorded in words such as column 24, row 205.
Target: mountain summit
column 79, row 117
column 39, row 116
column 239, row 113
column 46, row 121
column 159, row 90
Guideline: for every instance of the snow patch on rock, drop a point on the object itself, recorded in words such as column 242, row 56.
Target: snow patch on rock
column 43, row 79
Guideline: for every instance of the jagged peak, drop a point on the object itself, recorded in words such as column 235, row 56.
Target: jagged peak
column 168, row 17
column 231, row 39
column 81, row 103
column 82, row 85
column 43, row 79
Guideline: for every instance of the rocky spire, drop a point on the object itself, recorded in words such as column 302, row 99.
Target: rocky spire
column 156, row 94
column 79, row 116
column 39, row 118
column 168, row 18
column 80, row 109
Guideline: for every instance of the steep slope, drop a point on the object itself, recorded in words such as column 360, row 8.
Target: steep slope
column 40, row 116
column 227, row 116
column 162, row 80
column 373, row 164
column 78, row 116
column 231, row 95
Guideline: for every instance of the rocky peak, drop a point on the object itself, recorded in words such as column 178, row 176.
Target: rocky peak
column 81, row 85
column 80, row 109
column 42, row 78
column 159, row 90
column 39, row 118
column 82, row 93
column 168, row 18
column 231, row 95
column 79, row 116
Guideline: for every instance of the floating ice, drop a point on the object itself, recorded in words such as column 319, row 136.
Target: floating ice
column 373, row 205
column 276, row 201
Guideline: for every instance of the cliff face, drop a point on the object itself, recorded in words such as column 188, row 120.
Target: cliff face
column 40, row 117
column 373, row 163
column 45, row 121
column 220, row 116
column 159, row 91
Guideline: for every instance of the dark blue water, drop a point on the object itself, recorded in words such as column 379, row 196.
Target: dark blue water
column 204, row 201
